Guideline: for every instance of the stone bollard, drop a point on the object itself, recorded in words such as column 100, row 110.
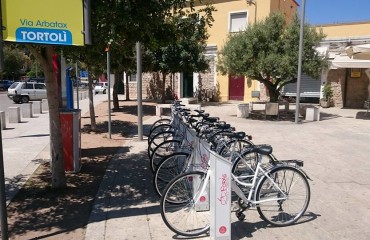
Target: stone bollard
column 45, row 105
column 14, row 114
column 2, row 120
column 37, row 107
column 312, row 113
column 27, row 111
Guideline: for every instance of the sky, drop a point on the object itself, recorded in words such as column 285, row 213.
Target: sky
column 335, row 11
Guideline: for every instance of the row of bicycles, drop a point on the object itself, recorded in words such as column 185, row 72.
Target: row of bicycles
column 179, row 150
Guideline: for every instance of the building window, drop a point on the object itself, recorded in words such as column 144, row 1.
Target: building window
column 132, row 78
column 238, row 21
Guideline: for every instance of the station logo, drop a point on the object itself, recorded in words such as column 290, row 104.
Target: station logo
column 41, row 33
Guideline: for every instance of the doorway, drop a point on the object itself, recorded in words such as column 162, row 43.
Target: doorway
column 187, row 85
column 236, row 88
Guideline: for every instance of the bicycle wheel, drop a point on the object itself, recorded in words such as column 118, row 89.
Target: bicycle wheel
column 159, row 122
column 169, row 168
column 181, row 205
column 164, row 149
column 158, row 139
column 159, row 129
column 287, row 210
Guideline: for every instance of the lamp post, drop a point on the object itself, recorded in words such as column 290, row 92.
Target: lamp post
column 300, row 62
column 108, row 79
column 139, row 92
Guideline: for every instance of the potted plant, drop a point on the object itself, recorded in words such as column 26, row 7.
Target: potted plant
column 327, row 92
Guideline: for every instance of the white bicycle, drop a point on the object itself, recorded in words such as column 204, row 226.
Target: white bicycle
column 280, row 191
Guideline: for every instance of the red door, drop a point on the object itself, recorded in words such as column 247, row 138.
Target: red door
column 236, row 88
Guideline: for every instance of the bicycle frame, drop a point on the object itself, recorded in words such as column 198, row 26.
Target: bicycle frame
column 253, row 186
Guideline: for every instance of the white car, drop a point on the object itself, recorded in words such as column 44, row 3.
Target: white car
column 23, row 92
column 101, row 87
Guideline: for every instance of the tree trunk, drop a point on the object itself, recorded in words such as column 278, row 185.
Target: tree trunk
column 274, row 94
column 91, row 101
column 45, row 58
column 164, row 87
column 115, row 91
column 127, row 88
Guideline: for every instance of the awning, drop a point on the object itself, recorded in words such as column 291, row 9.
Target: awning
column 344, row 61
column 359, row 51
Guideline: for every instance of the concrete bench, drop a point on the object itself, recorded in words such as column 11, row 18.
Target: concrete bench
column 242, row 110
column 27, row 111
column 14, row 114
column 2, row 120
column 160, row 108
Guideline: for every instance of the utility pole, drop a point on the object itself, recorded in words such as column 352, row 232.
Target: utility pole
column 108, row 78
column 139, row 92
column 299, row 74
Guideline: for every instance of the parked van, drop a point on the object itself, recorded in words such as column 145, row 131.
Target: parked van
column 23, row 92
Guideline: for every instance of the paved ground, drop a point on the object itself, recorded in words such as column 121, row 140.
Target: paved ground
column 25, row 143
column 335, row 151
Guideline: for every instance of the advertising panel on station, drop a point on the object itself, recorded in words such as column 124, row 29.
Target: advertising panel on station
column 43, row 21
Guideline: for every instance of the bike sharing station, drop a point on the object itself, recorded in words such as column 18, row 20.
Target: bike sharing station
column 70, row 123
column 216, row 197
column 213, row 163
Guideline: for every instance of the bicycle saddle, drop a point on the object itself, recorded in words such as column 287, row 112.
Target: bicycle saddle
column 263, row 149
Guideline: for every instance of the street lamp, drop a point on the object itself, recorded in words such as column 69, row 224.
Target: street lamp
column 108, row 79
column 299, row 74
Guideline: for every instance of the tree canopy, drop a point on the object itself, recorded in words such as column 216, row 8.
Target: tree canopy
column 268, row 52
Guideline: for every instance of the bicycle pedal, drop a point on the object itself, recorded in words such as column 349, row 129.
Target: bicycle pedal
column 240, row 215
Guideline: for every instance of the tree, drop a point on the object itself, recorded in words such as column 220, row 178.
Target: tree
column 268, row 52
column 14, row 62
column 45, row 55
column 185, row 52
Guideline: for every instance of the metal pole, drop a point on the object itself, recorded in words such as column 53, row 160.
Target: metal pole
column 255, row 12
column 3, row 211
column 139, row 93
column 300, row 62
column 77, row 84
column 109, row 108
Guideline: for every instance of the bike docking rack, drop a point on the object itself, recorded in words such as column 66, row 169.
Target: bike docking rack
column 206, row 161
column 216, row 197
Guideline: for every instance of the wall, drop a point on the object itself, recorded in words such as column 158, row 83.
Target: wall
column 346, row 30
column 147, row 79
column 348, row 91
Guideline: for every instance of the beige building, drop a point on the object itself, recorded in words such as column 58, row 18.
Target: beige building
column 348, row 73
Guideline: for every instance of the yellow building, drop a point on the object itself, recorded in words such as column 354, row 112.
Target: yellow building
column 232, row 16
column 349, row 80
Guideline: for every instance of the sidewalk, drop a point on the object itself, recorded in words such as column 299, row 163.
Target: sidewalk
column 21, row 158
column 335, row 152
